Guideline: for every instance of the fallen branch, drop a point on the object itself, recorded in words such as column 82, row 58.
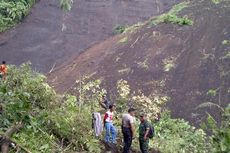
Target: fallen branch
column 13, row 129
column 51, row 70
column 135, row 42
column 5, row 140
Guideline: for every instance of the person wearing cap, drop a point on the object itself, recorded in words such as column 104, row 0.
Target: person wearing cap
column 111, row 132
column 128, row 129
column 144, row 129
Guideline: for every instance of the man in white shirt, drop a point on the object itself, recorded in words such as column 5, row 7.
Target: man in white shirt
column 109, row 127
column 128, row 129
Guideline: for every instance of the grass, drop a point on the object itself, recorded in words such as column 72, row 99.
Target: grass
column 216, row 1
column 169, row 64
column 124, row 40
column 133, row 28
column 143, row 64
column 118, row 29
column 225, row 42
column 171, row 16
column 227, row 56
column 212, row 92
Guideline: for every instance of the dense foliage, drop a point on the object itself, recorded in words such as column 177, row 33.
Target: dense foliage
column 63, row 123
column 12, row 11
column 28, row 99
column 177, row 135
column 220, row 137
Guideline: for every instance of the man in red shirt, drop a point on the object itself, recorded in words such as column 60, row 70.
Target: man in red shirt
column 109, row 127
column 3, row 70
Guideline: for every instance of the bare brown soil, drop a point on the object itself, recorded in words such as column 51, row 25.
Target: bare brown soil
column 40, row 39
column 196, row 53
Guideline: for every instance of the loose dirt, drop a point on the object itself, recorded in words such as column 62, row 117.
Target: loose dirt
column 40, row 39
column 196, row 53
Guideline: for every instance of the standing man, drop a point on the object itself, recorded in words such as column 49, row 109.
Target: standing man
column 3, row 70
column 144, row 129
column 110, row 135
column 104, row 103
column 128, row 129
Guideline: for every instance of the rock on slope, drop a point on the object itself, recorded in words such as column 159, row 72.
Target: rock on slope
column 191, row 64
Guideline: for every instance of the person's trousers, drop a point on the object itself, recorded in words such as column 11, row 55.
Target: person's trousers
column 127, row 133
column 111, row 133
column 144, row 145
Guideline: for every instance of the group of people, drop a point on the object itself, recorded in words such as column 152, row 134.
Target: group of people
column 3, row 71
column 127, row 127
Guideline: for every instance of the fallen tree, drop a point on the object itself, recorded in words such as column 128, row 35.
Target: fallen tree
column 5, row 139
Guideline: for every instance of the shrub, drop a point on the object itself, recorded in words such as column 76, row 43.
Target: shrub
column 11, row 12
column 119, row 29
column 58, row 121
column 176, row 135
column 220, row 137
column 171, row 16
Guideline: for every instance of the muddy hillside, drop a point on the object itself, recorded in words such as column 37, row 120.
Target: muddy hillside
column 48, row 36
column 183, row 54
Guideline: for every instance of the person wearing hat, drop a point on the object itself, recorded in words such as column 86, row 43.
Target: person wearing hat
column 144, row 129
column 128, row 129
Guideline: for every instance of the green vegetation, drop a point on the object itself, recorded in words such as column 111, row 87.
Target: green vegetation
column 118, row 29
column 26, row 98
column 169, row 64
column 66, row 5
column 144, row 64
column 212, row 92
column 133, row 28
column 124, row 40
column 227, row 56
column 216, row 1
column 126, row 29
column 171, row 16
column 176, row 135
column 63, row 122
column 220, row 138
column 225, row 42
column 12, row 12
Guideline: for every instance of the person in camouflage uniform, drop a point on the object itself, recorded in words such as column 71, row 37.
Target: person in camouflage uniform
column 144, row 129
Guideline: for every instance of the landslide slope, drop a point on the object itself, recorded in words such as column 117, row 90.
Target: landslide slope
column 191, row 64
column 42, row 39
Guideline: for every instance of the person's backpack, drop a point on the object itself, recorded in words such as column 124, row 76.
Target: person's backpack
column 151, row 131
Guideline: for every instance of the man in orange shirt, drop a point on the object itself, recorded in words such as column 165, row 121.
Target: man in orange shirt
column 3, row 70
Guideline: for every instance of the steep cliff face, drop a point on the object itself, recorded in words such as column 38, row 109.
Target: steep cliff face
column 165, row 55
column 48, row 36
